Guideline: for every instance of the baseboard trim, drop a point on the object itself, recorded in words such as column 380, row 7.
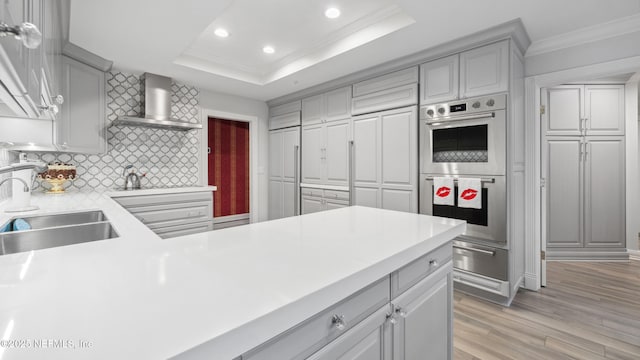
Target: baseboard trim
column 569, row 255
column 531, row 282
column 634, row 254
column 228, row 218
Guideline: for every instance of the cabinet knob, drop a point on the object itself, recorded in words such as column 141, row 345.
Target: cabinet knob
column 64, row 145
column 433, row 262
column 400, row 311
column 338, row 322
column 392, row 318
column 58, row 99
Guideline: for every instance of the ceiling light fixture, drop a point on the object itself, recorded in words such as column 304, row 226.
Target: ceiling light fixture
column 332, row 13
column 220, row 32
column 268, row 50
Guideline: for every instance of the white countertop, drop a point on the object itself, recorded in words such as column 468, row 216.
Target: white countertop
column 139, row 297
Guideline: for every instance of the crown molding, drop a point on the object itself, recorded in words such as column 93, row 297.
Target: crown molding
column 513, row 30
column 622, row 26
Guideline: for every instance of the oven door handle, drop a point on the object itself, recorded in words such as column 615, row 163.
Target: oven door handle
column 448, row 119
column 481, row 251
column 455, row 179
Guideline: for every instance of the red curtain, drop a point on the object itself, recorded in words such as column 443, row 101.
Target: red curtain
column 229, row 166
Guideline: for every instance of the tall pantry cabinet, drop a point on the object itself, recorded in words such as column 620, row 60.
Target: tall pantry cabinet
column 584, row 172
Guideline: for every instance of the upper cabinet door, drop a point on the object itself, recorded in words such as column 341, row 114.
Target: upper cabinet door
column 338, row 104
column 82, row 125
column 563, row 110
column 439, row 80
column 604, row 109
column 313, row 110
column 484, row 70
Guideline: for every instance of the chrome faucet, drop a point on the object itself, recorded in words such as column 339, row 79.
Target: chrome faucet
column 131, row 180
column 37, row 167
column 26, row 186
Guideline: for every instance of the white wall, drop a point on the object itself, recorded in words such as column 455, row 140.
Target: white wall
column 247, row 107
column 609, row 49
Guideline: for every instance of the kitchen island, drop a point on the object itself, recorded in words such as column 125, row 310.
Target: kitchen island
column 224, row 293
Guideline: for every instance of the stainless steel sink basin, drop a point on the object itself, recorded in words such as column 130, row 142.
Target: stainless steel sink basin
column 21, row 241
column 55, row 220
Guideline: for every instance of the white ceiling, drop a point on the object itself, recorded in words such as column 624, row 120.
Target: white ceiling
column 174, row 38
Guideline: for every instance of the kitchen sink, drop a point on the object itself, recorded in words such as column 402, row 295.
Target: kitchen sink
column 55, row 230
column 55, row 220
column 21, row 241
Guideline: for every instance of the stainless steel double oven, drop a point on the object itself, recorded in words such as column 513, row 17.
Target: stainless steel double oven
column 468, row 139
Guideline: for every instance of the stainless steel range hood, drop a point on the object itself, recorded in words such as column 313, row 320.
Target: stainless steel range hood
column 155, row 106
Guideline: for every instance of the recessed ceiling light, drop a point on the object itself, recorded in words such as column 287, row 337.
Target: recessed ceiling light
column 268, row 50
column 220, row 32
column 332, row 13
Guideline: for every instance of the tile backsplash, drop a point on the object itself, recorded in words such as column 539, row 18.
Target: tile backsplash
column 169, row 158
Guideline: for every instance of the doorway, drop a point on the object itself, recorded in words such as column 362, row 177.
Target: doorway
column 229, row 169
column 582, row 193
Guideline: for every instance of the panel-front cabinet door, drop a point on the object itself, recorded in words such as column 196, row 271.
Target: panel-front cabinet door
column 82, row 124
column 312, row 204
column 563, row 110
column 604, row 109
column 484, row 70
column 605, row 192
column 313, row 153
column 399, row 159
column 439, row 80
column 369, row 340
column 336, row 152
column 366, row 160
column 563, row 201
column 423, row 330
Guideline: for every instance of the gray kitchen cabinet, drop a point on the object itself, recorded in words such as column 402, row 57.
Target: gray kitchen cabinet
column 484, row 70
column 284, row 162
column 81, row 128
column 389, row 91
column 604, row 183
column 385, row 163
column 369, row 340
column 325, row 154
column 585, row 195
column 584, row 110
column 564, row 187
column 330, row 106
column 171, row 215
column 285, row 115
column 439, row 80
column 423, row 329
column 314, row 200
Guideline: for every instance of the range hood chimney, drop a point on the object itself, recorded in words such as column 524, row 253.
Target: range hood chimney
column 155, row 106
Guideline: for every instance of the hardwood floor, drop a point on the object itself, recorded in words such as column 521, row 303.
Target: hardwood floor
column 587, row 311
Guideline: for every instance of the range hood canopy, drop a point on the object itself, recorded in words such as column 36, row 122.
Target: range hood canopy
column 155, row 106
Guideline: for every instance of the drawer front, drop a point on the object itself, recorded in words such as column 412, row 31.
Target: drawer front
column 384, row 100
column 311, row 192
column 387, row 81
column 173, row 215
column 311, row 335
column 284, row 121
column 147, row 200
column 336, row 195
column 411, row 274
column 167, row 232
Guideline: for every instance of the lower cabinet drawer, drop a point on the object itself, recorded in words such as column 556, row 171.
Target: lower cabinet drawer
column 167, row 232
column 147, row 200
column 336, row 195
column 411, row 274
column 308, row 337
column 311, row 192
column 173, row 216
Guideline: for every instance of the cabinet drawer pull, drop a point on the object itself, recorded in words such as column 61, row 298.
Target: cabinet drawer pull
column 338, row 322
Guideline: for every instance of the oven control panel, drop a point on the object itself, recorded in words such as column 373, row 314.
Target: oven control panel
column 463, row 107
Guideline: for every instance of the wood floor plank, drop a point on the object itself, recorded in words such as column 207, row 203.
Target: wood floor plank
column 587, row 311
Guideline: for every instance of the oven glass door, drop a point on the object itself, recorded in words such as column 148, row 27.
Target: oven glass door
column 487, row 224
column 475, row 145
